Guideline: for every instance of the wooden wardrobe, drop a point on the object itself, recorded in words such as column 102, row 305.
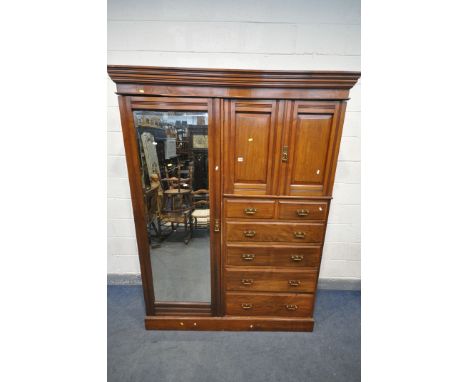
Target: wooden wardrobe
column 271, row 139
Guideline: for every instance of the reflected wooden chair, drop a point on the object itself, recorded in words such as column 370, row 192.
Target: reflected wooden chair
column 201, row 208
column 176, row 206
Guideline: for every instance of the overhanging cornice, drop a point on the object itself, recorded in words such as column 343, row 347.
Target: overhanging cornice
column 232, row 77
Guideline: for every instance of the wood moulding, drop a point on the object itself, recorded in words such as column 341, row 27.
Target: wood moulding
column 121, row 74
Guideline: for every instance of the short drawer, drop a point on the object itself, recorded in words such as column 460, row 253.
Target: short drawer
column 270, row 280
column 272, row 255
column 276, row 232
column 269, row 304
column 303, row 210
column 253, row 209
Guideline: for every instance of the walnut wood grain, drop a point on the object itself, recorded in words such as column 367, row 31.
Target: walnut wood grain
column 310, row 136
column 310, row 210
column 139, row 212
column 249, row 209
column 232, row 77
column 274, row 232
column 270, row 280
column 251, row 254
column 249, row 133
column 231, row 323
column 231, row 92
column 269, row 304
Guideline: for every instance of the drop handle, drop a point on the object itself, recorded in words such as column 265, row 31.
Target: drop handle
column 302, row 212
column 294, row 283
column 247, row 281
column 250, row 211
column 246, row 306
column 299, row 235
column 248, row 257
column 249, row 233
column 291, row 307
column 297, row 257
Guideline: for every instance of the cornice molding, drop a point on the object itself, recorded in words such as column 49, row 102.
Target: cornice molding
column 122, row 74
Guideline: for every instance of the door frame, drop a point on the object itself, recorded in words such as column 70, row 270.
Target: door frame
column 127, row 105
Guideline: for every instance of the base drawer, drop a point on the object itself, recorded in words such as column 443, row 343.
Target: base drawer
column 269, row 304
column 279, row 232
column 276, row 255
column 241, row 279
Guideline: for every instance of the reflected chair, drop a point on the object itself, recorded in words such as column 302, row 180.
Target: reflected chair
column 176, row 206
column 201, row 208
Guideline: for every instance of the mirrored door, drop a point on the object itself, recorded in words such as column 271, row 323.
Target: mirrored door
column 173, row 153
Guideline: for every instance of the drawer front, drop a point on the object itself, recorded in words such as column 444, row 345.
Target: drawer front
column 249, row 209
column 280, row 256
column 278, row 232
column 302, row 211
column 269, row 304
column 270, row 280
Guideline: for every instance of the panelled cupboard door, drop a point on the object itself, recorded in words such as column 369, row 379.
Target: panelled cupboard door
column 309, row 150
column 250, row 135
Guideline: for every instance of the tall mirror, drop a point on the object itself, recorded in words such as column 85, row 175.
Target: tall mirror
column 174, row 174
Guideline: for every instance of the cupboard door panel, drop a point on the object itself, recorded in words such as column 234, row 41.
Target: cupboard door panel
column 310, row 141
column 252, row 140
column 312, row 136
column 249, row 153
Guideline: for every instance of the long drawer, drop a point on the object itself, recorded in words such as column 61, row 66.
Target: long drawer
column 276, row 232
column 270, row 280
column 269, row 304
column 278, row 255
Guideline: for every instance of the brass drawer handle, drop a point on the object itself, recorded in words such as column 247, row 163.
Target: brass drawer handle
column 247, row 257
column 302, row 212
column 294, row 283
column 249, row 233
column 299, row 235
column 246, row 306
column 297, row 257
column 250, row 211
column 291, row 307
column 247, row 281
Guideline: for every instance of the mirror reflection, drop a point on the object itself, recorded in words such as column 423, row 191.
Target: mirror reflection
column 174, row 173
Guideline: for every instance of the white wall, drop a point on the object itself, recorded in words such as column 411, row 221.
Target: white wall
column 250, row 34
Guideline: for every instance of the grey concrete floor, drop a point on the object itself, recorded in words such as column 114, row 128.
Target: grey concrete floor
column 181, row 272
column 329, row 354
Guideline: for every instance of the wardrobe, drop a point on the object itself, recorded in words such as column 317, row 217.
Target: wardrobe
column 231, row 176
